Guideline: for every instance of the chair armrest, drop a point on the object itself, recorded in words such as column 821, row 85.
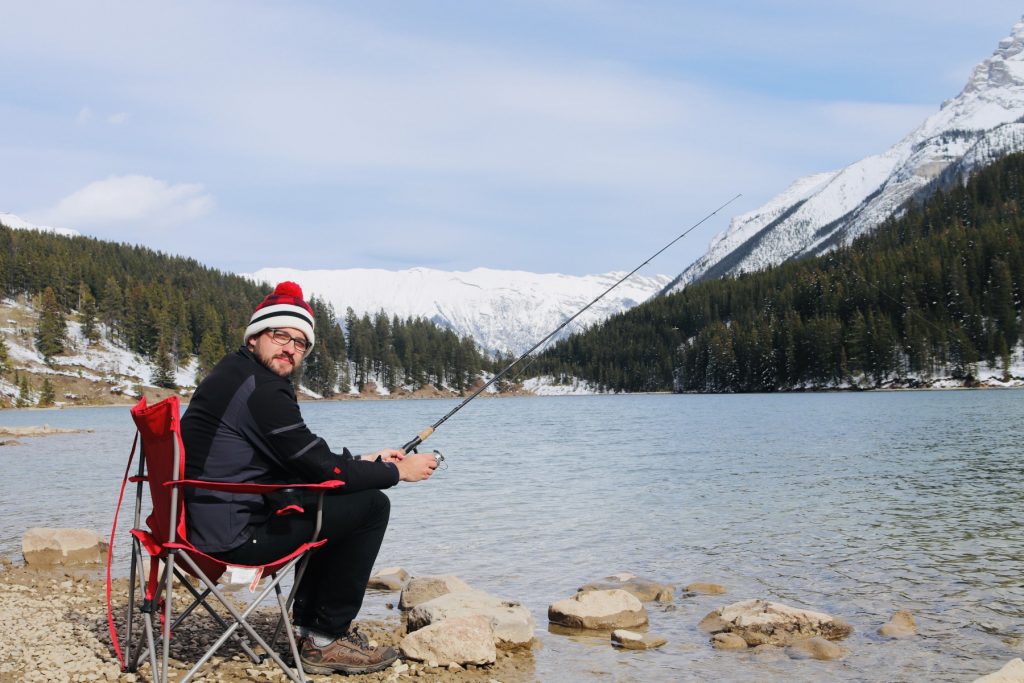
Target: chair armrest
column 229, row 487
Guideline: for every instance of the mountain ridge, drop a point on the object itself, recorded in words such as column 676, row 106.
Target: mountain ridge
column 821, row 211
column 503, row 310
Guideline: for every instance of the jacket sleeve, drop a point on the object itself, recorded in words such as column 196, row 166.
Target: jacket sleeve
column 285, row 438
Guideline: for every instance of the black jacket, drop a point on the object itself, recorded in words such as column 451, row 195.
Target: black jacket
column 243, row 425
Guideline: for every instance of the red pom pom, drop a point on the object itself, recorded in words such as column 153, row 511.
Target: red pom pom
column 289, row 289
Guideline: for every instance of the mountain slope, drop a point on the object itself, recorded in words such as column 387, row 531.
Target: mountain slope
column 502, row 310
column 814, row 214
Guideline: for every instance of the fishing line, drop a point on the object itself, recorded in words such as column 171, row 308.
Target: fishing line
column 422, row 436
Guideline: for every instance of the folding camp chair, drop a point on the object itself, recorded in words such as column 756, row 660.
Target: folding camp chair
column 162, row 465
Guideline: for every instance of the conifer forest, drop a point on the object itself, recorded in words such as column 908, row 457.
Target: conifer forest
column 168, row 308
column 937, row 288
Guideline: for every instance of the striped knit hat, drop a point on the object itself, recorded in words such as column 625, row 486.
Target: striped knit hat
column 284, row 307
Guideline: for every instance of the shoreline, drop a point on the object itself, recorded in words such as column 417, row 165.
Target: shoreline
column 304, row 398
column 53, row 627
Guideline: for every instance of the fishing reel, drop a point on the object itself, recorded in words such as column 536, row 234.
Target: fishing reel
column 438, row 458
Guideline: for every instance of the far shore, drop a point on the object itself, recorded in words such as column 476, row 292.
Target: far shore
column 153, row 394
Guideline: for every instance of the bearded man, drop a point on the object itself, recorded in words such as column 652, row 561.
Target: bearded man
column 243, row 424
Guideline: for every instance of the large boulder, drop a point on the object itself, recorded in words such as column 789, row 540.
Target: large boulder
column 1013, row 672
column 645, row 590
column 44, row 547
column 460, row 640
column 512, row 624
column 599, row 610
column 423, row 588
column 761, row 622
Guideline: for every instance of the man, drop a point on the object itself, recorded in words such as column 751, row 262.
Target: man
column 243, row 425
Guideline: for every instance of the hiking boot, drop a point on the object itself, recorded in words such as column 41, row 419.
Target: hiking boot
column 349, row 654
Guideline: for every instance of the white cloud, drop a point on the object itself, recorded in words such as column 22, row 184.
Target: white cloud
column 118, row 118
column 135, row 200
column 84, row 116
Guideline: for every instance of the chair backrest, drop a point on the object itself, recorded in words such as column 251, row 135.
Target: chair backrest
column 160, row 433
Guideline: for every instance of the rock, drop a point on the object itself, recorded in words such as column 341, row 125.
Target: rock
column 816, row 648
column 705, row 588
column 389, row 579
column 762, row 622
column 599, row 609
column 901, row 625
column 645, row 590
column 423, row 588
column 728, row 641
column 631, row 640
column 1013, row 672
column 47, row 547
column 512, row 624
column 458, row 641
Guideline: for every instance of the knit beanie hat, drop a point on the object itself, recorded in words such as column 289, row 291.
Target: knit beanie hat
column 284, row 307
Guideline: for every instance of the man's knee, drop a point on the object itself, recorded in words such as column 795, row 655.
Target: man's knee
column 381, row 505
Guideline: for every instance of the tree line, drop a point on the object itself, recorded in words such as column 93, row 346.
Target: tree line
column 938, row 288
column 169, row 308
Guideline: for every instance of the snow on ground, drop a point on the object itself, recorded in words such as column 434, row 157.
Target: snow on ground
column 548, row 386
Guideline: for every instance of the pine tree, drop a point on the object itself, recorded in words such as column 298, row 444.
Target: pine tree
column 87, row 313
column 211, row 350
column 50, row 331
column 5, row 361
column 46, row 396
column 163, row 374
column 24, row 393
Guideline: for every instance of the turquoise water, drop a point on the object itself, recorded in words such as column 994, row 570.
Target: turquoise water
column 856, row 504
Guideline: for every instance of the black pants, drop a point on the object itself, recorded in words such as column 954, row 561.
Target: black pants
column 331, row 591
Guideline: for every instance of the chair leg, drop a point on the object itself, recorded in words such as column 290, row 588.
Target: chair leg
column 168, row 610
column 289, row 631
column 199, row 599
column 299, row 572
column 142, row 649
column 136, row 552
column 241, row 621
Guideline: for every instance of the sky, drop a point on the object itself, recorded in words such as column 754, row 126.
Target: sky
column 564, row 136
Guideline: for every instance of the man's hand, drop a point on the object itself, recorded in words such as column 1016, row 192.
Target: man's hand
column 416, row 466
column 386, row 455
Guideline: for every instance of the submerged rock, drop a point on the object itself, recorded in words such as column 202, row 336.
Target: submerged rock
column 901, row 625
column 423, row 588
column 631, row 640
column 761, row 622
column 645, row 590
column 511, row 623
column 456, row 641
column 816, row 648
column 1013, row 672
column 43, row 547
column 705, row 588
column 599, row 610
column 728, row 641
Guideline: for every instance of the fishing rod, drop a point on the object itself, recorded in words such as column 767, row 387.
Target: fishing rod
column 422, row 436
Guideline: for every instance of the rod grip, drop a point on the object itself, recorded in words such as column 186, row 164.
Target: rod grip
column 420, row 438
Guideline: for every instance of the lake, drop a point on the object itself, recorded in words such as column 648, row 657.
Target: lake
column 854, row 504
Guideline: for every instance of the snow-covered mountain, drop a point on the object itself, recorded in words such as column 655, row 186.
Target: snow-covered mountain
column 18, row 223
column 504, row 310
column 816, row 213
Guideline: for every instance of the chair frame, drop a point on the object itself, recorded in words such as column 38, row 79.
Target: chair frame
column 177, row 554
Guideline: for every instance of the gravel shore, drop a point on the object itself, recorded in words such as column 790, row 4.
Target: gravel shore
column 53, row 627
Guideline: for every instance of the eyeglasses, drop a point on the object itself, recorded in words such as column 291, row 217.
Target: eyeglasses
column 281, row 338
